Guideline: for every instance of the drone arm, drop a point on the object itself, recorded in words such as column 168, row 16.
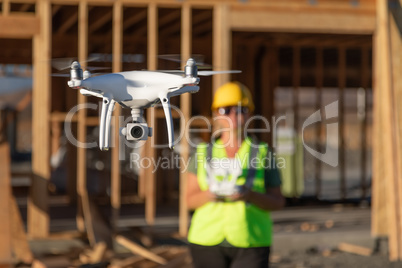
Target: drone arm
column 165, row 100
column 106, row 115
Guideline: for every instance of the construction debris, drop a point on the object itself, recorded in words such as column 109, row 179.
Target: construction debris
column 359, row 250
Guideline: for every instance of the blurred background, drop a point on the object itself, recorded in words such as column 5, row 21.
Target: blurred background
column 296, row 57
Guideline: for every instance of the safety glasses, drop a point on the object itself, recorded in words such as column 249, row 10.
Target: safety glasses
column 236, row 109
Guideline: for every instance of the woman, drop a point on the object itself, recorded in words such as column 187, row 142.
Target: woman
column 232, row 194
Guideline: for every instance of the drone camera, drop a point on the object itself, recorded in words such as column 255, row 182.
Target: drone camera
column 137, row 131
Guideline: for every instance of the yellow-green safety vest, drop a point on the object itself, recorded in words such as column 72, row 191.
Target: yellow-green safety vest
column 242, row 224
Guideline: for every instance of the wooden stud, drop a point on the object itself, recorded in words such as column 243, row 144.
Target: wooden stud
column 19, row 242
column 5, row 197
column 185, row 106
column 6, row 7
column 296, row 66
column 38, row 218
column 150, row 177
column 341, row 86
column 117, row 66
column 395, row 43
column 84, row 221
column 389, row 157
column 379, row 211
column 319, row 83
column 363, row 144
column 221, row 43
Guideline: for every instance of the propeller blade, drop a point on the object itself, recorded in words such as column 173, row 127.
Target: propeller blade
column 169, row 71
column 208, row 73
column 61, row 75
column 65, row 63
column 68, row 75
column 199, row 59
column 94, row 68
column 62, row 63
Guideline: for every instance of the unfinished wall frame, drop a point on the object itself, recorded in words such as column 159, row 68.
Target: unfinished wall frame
column 338, row 17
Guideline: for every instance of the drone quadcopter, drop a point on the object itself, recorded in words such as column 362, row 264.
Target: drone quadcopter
column 137, row 90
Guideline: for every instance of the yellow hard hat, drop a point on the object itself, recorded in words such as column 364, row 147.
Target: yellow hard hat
column 232, row 94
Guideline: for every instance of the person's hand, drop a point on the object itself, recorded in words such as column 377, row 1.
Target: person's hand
column 242, row 195
column 211, row 196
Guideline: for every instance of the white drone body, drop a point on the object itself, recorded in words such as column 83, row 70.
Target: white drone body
column 136, row 90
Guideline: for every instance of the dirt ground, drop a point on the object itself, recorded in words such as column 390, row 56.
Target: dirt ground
column 313, row 238
column 308, row 237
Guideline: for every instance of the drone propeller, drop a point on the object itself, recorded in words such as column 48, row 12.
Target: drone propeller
column 199, row 59
column 209, row 73
column 200, row 73
column 68, row 75
column 65, row 63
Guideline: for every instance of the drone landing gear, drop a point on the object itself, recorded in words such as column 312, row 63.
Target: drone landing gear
column 165, row 100
column 106, row 115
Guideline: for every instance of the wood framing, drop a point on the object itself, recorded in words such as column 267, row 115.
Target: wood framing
column 150, row 177
column 83, row 223
column 5, row 209
column 221, row 43
column 38, row 218
column 306, row 22
column 185, row 106
column 19, row 26
column 116, row 173
column 341, row 135
column 356, row 24
column 387, row 150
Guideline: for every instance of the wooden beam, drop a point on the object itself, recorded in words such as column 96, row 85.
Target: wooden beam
column 171, row 31
column 359, row 250
column 384, row 96
column 116, row 67
column 5, row 197
column 150, row 177
column 364, row 122
column 67, row 24
column 19, row 242
column 296, row 77
column 83, row 201
column 295, row 21
column 319, row 79
column 169, row 18
column 25, row 7
column 105, row 18
column 6, row 7
column 185, row 107
column 19, row 26
column 134, row 19
column 222, row 45
column 379, row 215
column 341, row 87
column 137, row 249
column 38, row 218
column 396, row 98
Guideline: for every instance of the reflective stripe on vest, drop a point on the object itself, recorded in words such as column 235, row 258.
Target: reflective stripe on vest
column 241, row 224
